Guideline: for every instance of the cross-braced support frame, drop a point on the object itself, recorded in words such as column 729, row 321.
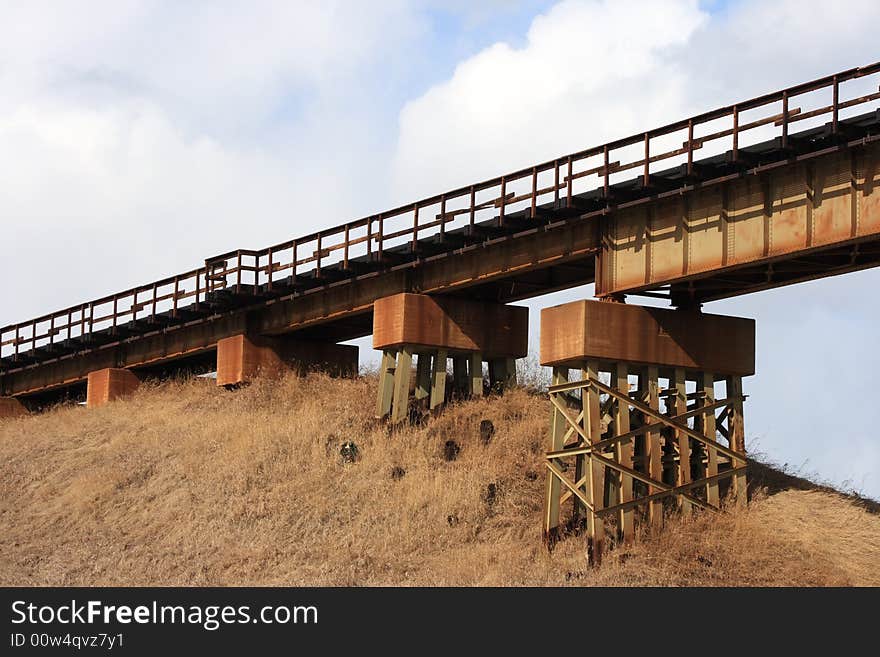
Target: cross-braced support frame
column 623, row 447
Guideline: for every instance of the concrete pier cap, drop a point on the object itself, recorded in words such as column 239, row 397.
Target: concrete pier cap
column 455, row 324
column 11, row 407
column 242, row 357
column 434, row 330
column 108, row 384
column 607, row 332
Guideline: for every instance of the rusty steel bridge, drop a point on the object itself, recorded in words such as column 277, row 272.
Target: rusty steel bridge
column 771, row 191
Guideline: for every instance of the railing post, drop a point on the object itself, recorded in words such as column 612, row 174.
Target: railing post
column 370, row 239
column 16, row 339
column 345, row 249
column 690, row 164
column 293, row 248
column 318, row 262
column 91, row 317
column 473, row 206
column 784, row 119
column 646, row 181
column 69, row 323
column 503, row 201
column 237, row 278
column 569, row 189
column 153, row 314
column 534, row 191
column 556, row 184
column 115, row 307
column 381, row 235
column 268, row 272
column 415, row 237
column 605, row 169
column 735, row 133
column 176, row 288
column 442, row 220
column 835, row 106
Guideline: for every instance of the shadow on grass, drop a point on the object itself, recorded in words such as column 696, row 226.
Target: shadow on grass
column 776, row 479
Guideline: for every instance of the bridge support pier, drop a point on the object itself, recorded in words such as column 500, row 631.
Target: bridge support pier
column 642, row 425
column 242, row 357
column 11, row 407
column 109, row 384
column 433, row 330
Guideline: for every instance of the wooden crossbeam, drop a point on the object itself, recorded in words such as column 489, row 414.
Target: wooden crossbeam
column 569, row 386
column 572, row 487
column 573, row 423
column 670, row 422
column 677, row 490
column 662, row 421
column 572, row 429
column 647, row 480
column 653, row 497
column 567, row 494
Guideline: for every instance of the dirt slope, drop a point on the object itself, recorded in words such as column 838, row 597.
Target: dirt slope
column 189, row 484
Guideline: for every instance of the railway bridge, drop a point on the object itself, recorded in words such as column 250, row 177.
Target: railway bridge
column 767, row 192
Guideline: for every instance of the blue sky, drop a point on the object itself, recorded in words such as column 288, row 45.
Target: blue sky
column 229, row 125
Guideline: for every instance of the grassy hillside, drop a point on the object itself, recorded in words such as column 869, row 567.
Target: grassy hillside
column 186, row 483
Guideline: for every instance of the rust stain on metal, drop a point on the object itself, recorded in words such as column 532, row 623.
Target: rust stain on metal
column 613, row 332
column 495, row 330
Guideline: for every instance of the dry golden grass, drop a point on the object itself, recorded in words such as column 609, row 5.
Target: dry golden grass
column 188, row 484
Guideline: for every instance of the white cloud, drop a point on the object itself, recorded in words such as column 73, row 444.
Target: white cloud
column 590, row 71
column 208, row 63
column 119, row 196
column 594, row 70
column 137, row 138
